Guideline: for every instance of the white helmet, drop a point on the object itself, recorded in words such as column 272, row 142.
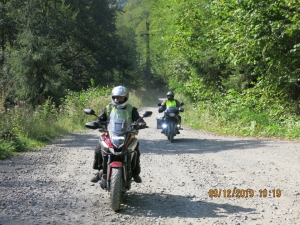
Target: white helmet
column 119, row 91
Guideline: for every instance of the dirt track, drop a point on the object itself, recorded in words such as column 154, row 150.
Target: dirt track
column 52, row 186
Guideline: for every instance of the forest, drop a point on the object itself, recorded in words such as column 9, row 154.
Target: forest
column 50, row 47
column 197, row 47
column 235, row 62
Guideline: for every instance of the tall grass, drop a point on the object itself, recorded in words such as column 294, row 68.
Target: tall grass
column 235, row 116
column 23, row 128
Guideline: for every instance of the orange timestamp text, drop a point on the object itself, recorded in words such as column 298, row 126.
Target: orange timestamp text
column 243, row 193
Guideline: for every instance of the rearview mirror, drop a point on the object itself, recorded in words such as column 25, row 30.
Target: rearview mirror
column 90, row 112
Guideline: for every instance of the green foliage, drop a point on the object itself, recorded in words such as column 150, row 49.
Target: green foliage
column 247, row 114
column 262, row 36
column 95, row 98
column 235, row 61
column 6, row 148
column 24, row 128
column 50, row 47
column 131, row 25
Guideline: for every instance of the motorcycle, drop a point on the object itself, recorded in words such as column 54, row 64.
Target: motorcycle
column 170, row 123
column 118, row 143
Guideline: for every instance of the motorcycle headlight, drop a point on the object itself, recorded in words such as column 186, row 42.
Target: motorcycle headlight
column 172, row 114
column 164, row 125
column 118, row 141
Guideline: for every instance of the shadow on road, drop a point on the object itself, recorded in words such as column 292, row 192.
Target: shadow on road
column 196, row 146
column 88, row 141
column 77, row 140
column 165, row 205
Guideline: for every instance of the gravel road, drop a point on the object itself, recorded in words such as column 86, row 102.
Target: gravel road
column 51, row 185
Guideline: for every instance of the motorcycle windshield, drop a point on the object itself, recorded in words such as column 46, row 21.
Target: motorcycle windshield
column 118, row 122
column 172, row 109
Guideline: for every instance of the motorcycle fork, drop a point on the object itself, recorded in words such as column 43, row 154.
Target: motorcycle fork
column 115, row 164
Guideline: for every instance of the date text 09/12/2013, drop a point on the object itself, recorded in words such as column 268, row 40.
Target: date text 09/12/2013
column 244, row 193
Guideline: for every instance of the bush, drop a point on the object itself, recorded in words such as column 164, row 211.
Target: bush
column 25, row 128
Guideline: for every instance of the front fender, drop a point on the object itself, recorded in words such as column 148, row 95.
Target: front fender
column 116, row 164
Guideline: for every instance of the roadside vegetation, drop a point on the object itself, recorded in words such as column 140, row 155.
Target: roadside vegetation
column 23, row 128
column 233, row 115
column 235, row 63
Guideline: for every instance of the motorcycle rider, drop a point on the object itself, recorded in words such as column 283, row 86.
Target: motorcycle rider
column 170, row 101
column 119, row 97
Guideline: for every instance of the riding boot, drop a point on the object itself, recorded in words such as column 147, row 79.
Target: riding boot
column 136, row 171
column 97, row 164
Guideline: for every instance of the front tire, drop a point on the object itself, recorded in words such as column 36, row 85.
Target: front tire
column 171, row 132
column 115, row 188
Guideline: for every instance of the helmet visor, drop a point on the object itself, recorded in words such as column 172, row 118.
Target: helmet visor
column 119, row 99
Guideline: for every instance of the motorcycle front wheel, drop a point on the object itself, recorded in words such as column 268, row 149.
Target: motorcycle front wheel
column 171, row 132
column 115, row 188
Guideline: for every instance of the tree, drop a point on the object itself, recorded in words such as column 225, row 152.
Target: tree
column 263, row 36
column 62, row 45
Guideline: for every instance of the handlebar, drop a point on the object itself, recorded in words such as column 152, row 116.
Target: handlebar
column 134, row 127
column 140, row 128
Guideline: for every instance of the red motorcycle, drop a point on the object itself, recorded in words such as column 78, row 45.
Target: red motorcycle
column 118, row 143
